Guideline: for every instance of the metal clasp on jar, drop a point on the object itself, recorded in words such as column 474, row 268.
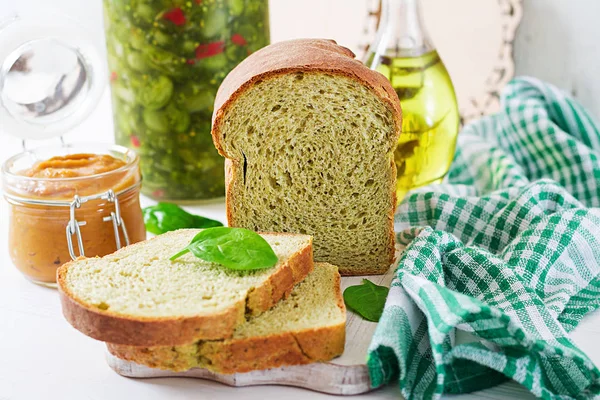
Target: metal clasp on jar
column 73, row 227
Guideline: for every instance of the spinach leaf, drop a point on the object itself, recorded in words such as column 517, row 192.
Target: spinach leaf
column 234, row 248
column 165, row 217
column 367, row 299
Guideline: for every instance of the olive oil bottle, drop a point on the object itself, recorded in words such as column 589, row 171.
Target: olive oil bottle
column 403, row 52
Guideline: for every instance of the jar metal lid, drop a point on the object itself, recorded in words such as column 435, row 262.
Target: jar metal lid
column 51, row 76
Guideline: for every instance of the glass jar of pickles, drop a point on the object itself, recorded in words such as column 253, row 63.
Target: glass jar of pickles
column 167, row 59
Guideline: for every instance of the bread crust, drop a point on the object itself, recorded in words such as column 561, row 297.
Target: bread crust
column 305, row 55
column 243, row 355
column 280, row 284
column 117, row 328
column 300, row 55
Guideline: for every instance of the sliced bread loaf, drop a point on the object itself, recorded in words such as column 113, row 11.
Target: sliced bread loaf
column 306, row 327
column 137, row 296
column 309, row 135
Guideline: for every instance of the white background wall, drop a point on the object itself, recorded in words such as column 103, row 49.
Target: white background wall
column 558, row 41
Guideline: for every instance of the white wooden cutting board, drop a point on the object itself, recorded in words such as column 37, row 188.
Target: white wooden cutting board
column 345, row 375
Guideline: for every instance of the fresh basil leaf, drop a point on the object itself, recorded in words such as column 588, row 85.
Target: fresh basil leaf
column 367, row 299
column 165, row 217
column 234, row 248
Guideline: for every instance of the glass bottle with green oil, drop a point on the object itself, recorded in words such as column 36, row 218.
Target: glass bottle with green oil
column 403, row 52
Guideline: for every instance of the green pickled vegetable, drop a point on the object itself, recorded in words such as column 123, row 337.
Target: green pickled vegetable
column 179, row 120
column 144, row 13
column 162, row 38
column 169, row 120
column 166, row 217
column 138, row 62
column 216, row 62
column 167, row 59
column 155, row 93
column 236, row 7
column 196, row 99
column 123, row 93
column 216, row 24
column 156, row 120
column 136, row 40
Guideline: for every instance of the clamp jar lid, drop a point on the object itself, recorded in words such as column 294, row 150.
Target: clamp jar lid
column 51, row 76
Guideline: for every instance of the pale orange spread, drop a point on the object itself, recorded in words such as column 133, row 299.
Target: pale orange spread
column 60, row 176
column 37, row 237
column 74, row 166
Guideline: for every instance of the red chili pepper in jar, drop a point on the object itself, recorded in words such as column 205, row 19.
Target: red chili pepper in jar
column 210, row 49
column 135, row 141
column 176, row 16
column 158, row 193
column 238, row 40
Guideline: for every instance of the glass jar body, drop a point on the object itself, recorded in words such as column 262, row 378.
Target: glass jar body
column 37, row 234
column 42, row 208
column 167, row 59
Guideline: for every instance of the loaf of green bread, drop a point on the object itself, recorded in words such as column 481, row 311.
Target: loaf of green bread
column 309, row 134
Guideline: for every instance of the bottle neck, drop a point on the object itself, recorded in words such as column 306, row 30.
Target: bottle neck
column 401, row 31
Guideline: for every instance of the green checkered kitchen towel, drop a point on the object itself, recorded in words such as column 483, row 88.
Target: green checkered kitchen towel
column 502, row 260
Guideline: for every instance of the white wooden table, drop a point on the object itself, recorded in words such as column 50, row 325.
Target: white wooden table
column 42, row 357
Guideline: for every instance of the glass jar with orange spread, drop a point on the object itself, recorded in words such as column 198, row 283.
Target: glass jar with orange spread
column 70, row 201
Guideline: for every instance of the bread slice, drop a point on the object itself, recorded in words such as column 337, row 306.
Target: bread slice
column 309, row 135
column 306, row 327
column 137, row 296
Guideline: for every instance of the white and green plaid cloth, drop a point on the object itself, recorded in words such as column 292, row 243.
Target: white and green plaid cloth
column 506, row 250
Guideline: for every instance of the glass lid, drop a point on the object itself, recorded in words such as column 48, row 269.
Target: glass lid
column 51, row 76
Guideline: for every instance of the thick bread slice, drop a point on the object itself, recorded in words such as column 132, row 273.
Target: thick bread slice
column 309, row 134
column 306, row 327
column 137, row 296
